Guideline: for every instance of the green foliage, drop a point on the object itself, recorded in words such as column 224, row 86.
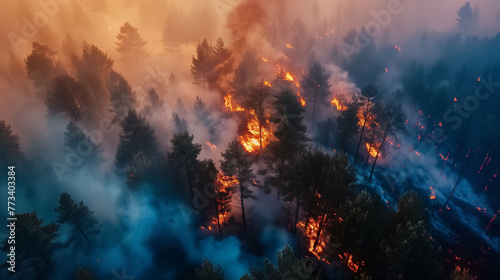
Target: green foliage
column 9, row 144
column 315, row 84
column 136, row 136
column 130, row 43
column 207, row 271
column 410, row 253
column 35, row 247
column 84, row 226
column 67, row 96
column 411, row 209
column 203, row 64
column 122, row 97
column 41, row 67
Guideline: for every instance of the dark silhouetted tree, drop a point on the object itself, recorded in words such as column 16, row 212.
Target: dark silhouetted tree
column 207, row 271
column 204, row 114
column 465, row 20
column 68, row 96
column 130, row 44
column 93, row 70
column 411, row 209
column 154, row 99
column 122, row 97
column 347, row 122
column 35, row 246
column 184, row 155
column 410, row 253
column 203, row 64
column 75, row 140
column 41, row 66
column 245, row 73
column 223, row 60
column 84, row 226
column 84, row 274
column 392, row 122
column 237, row 162
column 315, row 84
column 136, row 136
column 178, row 124
column 9, row 144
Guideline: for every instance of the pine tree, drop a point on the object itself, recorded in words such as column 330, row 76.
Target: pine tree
column 136, row 136
column 347, row 122
column 207, row 271
column 69, row 97
column 178, row 124
column 84, row 226
column 245, row 74
column 185, row 155
column 392, row 122
column 35, row 247
column 368, row 96
column 92, row 70
column 223, row 60
column 41, row 67
column 315, row 85
column 130, row 44
column 9, row 144
column 237, row 162
column 258, row 99
column 154, row 99
column 204, row 114
column 203, row 64
column 122, row 97
column 76, row 140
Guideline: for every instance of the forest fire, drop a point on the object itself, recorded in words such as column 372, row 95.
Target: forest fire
column 373, row 149
column 288, row 77
column 266, row 83
column 347, row 259
column 301, row 100
column 229, row 103
column 312, row 234
column 251, row 140
column 336, row 102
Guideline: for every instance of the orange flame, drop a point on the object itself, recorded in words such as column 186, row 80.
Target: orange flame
column 266, row 83
column 288, row 77
column 251, row 141
column 336, row 102
column 374, row 149
column 211, row 146
column 265, row 59
column 347, row 258
column 311, row 233
column 229, row 103
column 289, row 46
column 301, row 100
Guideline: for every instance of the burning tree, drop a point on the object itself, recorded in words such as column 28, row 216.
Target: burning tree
column 348, row 120
column 237, row 162
column 368, row 96
column 315, row 84
column 130, row 43
column 360, row 227
column 257, row 102
column 392, row 122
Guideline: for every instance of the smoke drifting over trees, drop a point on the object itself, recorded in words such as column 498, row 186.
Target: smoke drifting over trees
column 251, row 139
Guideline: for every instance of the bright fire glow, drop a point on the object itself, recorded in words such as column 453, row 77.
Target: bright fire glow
column 288, row 77
column 301, row 100
column 229, row 103
column 265, row 59
column 373, row 150
column 211, row 146
column 251, row 141
column 311, row 233
column 336, row 102
column 289, row 46
column 347, row 258
column 266, row 83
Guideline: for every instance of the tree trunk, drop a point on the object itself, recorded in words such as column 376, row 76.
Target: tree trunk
column 297, row 207
column 371, row 145
column 217, row 213
column 188, row 175
column 453, row 190
column 242, row 202
column 362, row 130
column 378, row 153
column 79, row 228
column 311, row 206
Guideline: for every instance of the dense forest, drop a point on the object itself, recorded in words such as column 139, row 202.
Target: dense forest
column 250, row 140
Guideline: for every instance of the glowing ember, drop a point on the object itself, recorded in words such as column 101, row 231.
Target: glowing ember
column 347, row 258
column 455, row 99
column 266, row 83
column 288, row 77
column 312, row 234
column 386, row 70
column 211, row 146
column 229, row 103
column 289, row 46
column 251, row 141
column 397, row 48
column 373, row 149
column 301, row 100
column 432, row 197
column 336, row 102
column 265, row 59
